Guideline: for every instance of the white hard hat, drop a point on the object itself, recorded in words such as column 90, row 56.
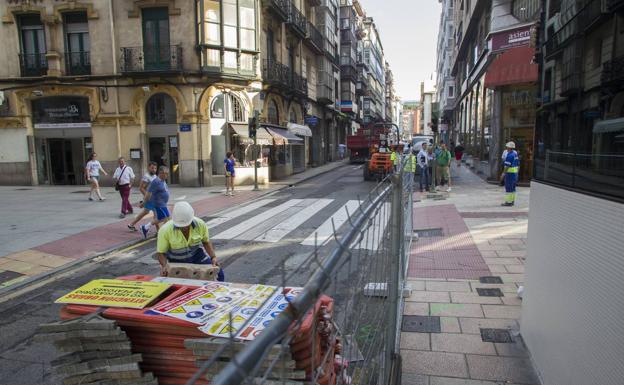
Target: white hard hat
column 510, row 145
column 183, row 214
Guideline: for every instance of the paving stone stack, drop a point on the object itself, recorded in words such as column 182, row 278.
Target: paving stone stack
column 99, row 352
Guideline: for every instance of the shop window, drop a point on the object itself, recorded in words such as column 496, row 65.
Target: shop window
column 77, row 43
column 293, row 116
column 32, row 44
column 160, row 109
column 273, row 113
column 227, row 34
column 525, row 10
column 235, row 108
column 218, row 107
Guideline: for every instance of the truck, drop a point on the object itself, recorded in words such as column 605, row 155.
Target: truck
column 369, row 145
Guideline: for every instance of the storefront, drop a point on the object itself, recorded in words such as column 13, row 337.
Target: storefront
column 518, row 124
column 300, row 151
column 245, row 152
column 63, row 139
column 281, row 153
column 162, row 133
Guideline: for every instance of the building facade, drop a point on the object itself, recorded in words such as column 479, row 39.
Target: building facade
column 496, row 81
column 573, row 271
column 149, row 81
column 445, row 82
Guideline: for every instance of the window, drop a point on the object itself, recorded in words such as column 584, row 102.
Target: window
column 228, row 34
column 451, row 92
column 156, row 48
column 525, row 10
column 273, row 113
column 77, row 43
column 161, row 109
column 235, row 108
column 32, row 41
column 597, row 62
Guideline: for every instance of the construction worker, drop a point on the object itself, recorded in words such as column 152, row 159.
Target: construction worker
column 185, row 239
column 510, row 173
column 395, row 158
column 410, row 167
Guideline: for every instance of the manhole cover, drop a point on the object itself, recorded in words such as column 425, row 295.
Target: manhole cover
column 421, row 324
column 9, row 275
column 501, row 336
column 490, row 280
column 489, row 292
column 428, row 233
column 22, row 189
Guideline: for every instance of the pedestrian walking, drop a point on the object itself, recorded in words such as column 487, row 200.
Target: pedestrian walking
column 156, row 199
column 124, row 177
column 423, row 164
column 510, row 174
column 443, row 163
column 342, row 148
column 228, row 165
column 185, row 240
column 150, row 175
column 459, row 153
column 92, row 174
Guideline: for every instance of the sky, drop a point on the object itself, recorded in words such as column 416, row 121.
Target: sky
column 409, row 33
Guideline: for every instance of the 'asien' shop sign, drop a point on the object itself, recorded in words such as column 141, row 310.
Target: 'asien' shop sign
column 61, row 112
column 512, row 38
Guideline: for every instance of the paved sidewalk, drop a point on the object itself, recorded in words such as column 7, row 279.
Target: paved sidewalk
column 50, row 227
column 450, row 314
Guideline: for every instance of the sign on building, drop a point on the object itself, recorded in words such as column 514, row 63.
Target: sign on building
column 61, row 112
column 512, row 38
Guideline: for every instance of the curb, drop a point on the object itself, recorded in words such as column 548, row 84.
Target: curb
column 84, row 260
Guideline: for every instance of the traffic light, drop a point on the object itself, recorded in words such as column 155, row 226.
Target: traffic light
column 253, row 127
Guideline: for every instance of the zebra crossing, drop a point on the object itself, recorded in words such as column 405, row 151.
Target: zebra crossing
column 271, row 222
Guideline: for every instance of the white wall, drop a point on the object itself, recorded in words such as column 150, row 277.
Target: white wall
column 573, row 308
column 13, row 145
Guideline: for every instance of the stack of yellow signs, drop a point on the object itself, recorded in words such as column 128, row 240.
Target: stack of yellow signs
column 225, row 309
column 115, row 293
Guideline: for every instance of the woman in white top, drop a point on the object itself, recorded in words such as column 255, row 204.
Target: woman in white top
column 92, row 173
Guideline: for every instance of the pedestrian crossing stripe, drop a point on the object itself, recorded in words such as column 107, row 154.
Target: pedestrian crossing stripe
column 177, row 310
column 194, row 302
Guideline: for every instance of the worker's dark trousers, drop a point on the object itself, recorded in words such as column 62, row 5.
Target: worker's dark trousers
column 424, row 178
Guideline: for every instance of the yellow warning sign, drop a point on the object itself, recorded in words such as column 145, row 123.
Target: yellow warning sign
column 209, row 295
column 238, row 319
column 193, row 302
column 228, row 329
column 115, row 293
column 178, row 310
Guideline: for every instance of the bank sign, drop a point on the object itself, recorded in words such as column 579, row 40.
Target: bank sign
column 510, row 39
column 61, row 112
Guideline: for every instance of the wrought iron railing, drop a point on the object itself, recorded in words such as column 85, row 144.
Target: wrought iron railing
column 77, row 63
column 314, row 37
column 151, row 59
column 280, row 75
column 296, row 20
column 280, row 8
column 33, row 64
column 299, row 84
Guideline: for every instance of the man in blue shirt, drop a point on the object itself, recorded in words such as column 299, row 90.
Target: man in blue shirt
column 510, row 173
column 156, row 199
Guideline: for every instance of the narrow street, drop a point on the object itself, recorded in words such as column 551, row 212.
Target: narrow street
column 255, row 241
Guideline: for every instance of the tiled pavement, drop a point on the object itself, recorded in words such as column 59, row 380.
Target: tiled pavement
column 480, row 238
column 37, row 259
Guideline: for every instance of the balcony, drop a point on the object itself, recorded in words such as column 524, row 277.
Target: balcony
column 33, row 64
column 78, row 63
column 314, row 39
column 296, row 21
column 280, row 8
column 348, row 71
column 156, row 59
column 613, row 71
column 282, row 76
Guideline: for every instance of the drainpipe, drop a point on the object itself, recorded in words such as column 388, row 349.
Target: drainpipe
column 114, row 56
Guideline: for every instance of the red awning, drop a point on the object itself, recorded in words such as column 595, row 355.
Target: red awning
column 512, row 67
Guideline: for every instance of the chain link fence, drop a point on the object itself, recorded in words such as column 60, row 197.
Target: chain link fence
column 342, row 326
